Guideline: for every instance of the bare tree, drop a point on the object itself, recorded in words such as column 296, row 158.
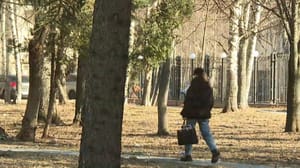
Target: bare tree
column 248, row 37
column 242, row 55
column 288, row 11
column 251, row 52
column 232, row 81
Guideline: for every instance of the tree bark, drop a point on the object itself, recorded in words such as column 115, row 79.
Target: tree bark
column 53, row 84
column 232, row 81
column 44, row 103
column 155, row 88
column 4, row 52
column 80, row 89
column 289, row 15
column 16, row 50
column 242, row 56
column 293, row 95
column 131, row 46
column 204, row 36
column 252, row 49
column 163, row 98
column 146, row 98
column 3, row 36
column 102, row 125
column 29, row 122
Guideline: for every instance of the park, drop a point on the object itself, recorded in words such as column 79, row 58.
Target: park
column 109, row 83
column 254, row 137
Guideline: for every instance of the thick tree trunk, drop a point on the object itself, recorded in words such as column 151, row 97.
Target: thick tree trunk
column 293, row 95
column 163, row 98
column 29, row 122
column 232, row 82
column 102, row 125
column 290, row 19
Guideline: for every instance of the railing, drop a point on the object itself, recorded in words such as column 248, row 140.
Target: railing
column 268, row 82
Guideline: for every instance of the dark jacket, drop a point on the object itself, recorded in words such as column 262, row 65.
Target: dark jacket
column 198, row 100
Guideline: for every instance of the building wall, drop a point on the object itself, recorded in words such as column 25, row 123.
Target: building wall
column 24, row 20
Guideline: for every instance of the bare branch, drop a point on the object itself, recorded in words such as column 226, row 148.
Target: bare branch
column 283, row 13
column 282, row 6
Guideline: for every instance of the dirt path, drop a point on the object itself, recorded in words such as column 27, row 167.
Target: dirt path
column 163, row 161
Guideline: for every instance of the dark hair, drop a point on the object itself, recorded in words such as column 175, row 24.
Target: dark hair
column 199, row 71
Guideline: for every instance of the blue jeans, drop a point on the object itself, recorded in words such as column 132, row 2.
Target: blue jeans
column 205, row 132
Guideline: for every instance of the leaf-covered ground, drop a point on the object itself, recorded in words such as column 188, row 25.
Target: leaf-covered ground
column 254, row 136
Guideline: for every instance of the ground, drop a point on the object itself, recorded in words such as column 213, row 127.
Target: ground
column 254, row 136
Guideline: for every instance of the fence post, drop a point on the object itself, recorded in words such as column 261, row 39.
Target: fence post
column 207, row 64
column 178, row 76
column 273, row 78
column 223, row 57
column 255, row 80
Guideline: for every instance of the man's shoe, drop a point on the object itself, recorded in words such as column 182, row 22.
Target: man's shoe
column 215, row 157
column 187, row 158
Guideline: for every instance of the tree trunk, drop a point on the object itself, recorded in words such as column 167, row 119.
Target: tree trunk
column 146, row 98
column 163, row 98
column 252, row 48
column 204, row 36
column 102, row 125
column 29, row 122
column 3, row 36
column 46, row 75
column 44, row 103
column 155, row 84
column 4, row 52
column 16, row 50
column 61, row 73
column 53, row 83
column 232, row 81
column 293, row 95
column 242, row 56
column 80, row 89
column 127, row 85
column 61, row 83
column 131, row 46
column 63, row 97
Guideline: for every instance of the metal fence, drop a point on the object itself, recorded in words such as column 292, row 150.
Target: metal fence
column 268, row 82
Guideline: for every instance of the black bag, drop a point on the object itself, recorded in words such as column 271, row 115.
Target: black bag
column 187, row 135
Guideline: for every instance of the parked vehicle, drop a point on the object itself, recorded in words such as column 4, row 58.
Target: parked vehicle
column 11, row 81
column 71, row 85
